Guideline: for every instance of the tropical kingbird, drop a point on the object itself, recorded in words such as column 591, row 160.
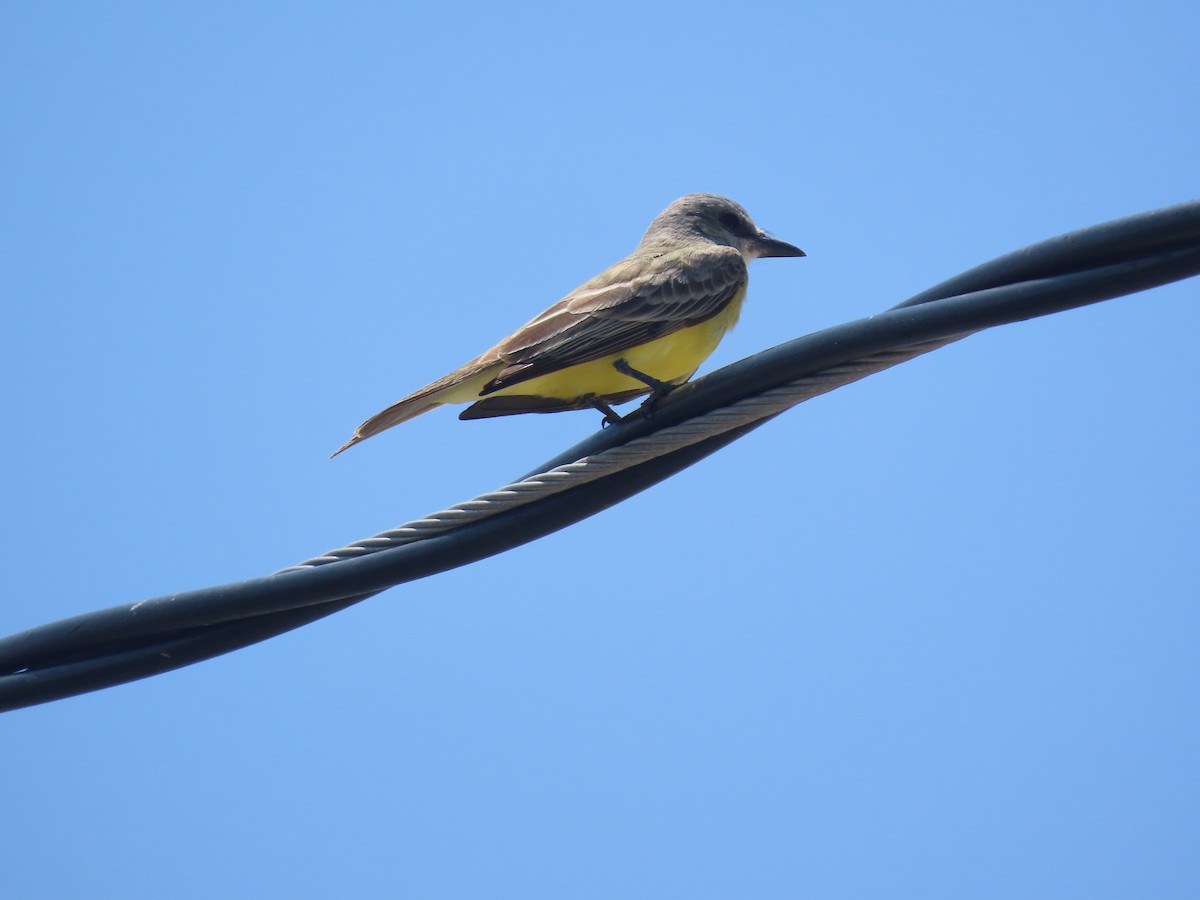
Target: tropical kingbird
column 643, row 325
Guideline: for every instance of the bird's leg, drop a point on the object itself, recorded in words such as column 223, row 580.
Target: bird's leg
column 660, row 388
column 610, row 415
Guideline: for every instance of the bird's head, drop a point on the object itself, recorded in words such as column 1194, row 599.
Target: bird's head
column 717, row 219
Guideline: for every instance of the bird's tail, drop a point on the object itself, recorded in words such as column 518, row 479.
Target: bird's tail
column 408, row 408
column 460, row 386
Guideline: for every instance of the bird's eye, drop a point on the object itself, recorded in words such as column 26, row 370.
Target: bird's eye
column 732, row 221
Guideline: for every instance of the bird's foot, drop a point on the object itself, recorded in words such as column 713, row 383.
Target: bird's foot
column 610, row 415
column 660, row 388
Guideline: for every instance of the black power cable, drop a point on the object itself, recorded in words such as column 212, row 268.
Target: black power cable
column 131, row 641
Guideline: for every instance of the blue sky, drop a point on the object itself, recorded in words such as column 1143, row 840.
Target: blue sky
column 931, row 635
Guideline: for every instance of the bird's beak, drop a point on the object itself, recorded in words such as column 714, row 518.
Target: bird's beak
column 766, row 246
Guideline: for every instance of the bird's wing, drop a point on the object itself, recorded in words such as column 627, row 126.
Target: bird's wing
column 640, row 299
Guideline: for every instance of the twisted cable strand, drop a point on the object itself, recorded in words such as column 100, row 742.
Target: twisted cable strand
column 639, row 450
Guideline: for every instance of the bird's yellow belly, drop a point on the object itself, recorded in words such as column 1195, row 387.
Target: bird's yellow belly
column 672, row 359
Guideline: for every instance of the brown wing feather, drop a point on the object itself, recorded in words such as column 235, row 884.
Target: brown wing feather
column 637, row 301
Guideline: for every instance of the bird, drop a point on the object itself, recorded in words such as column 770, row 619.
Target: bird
column 642, row 326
